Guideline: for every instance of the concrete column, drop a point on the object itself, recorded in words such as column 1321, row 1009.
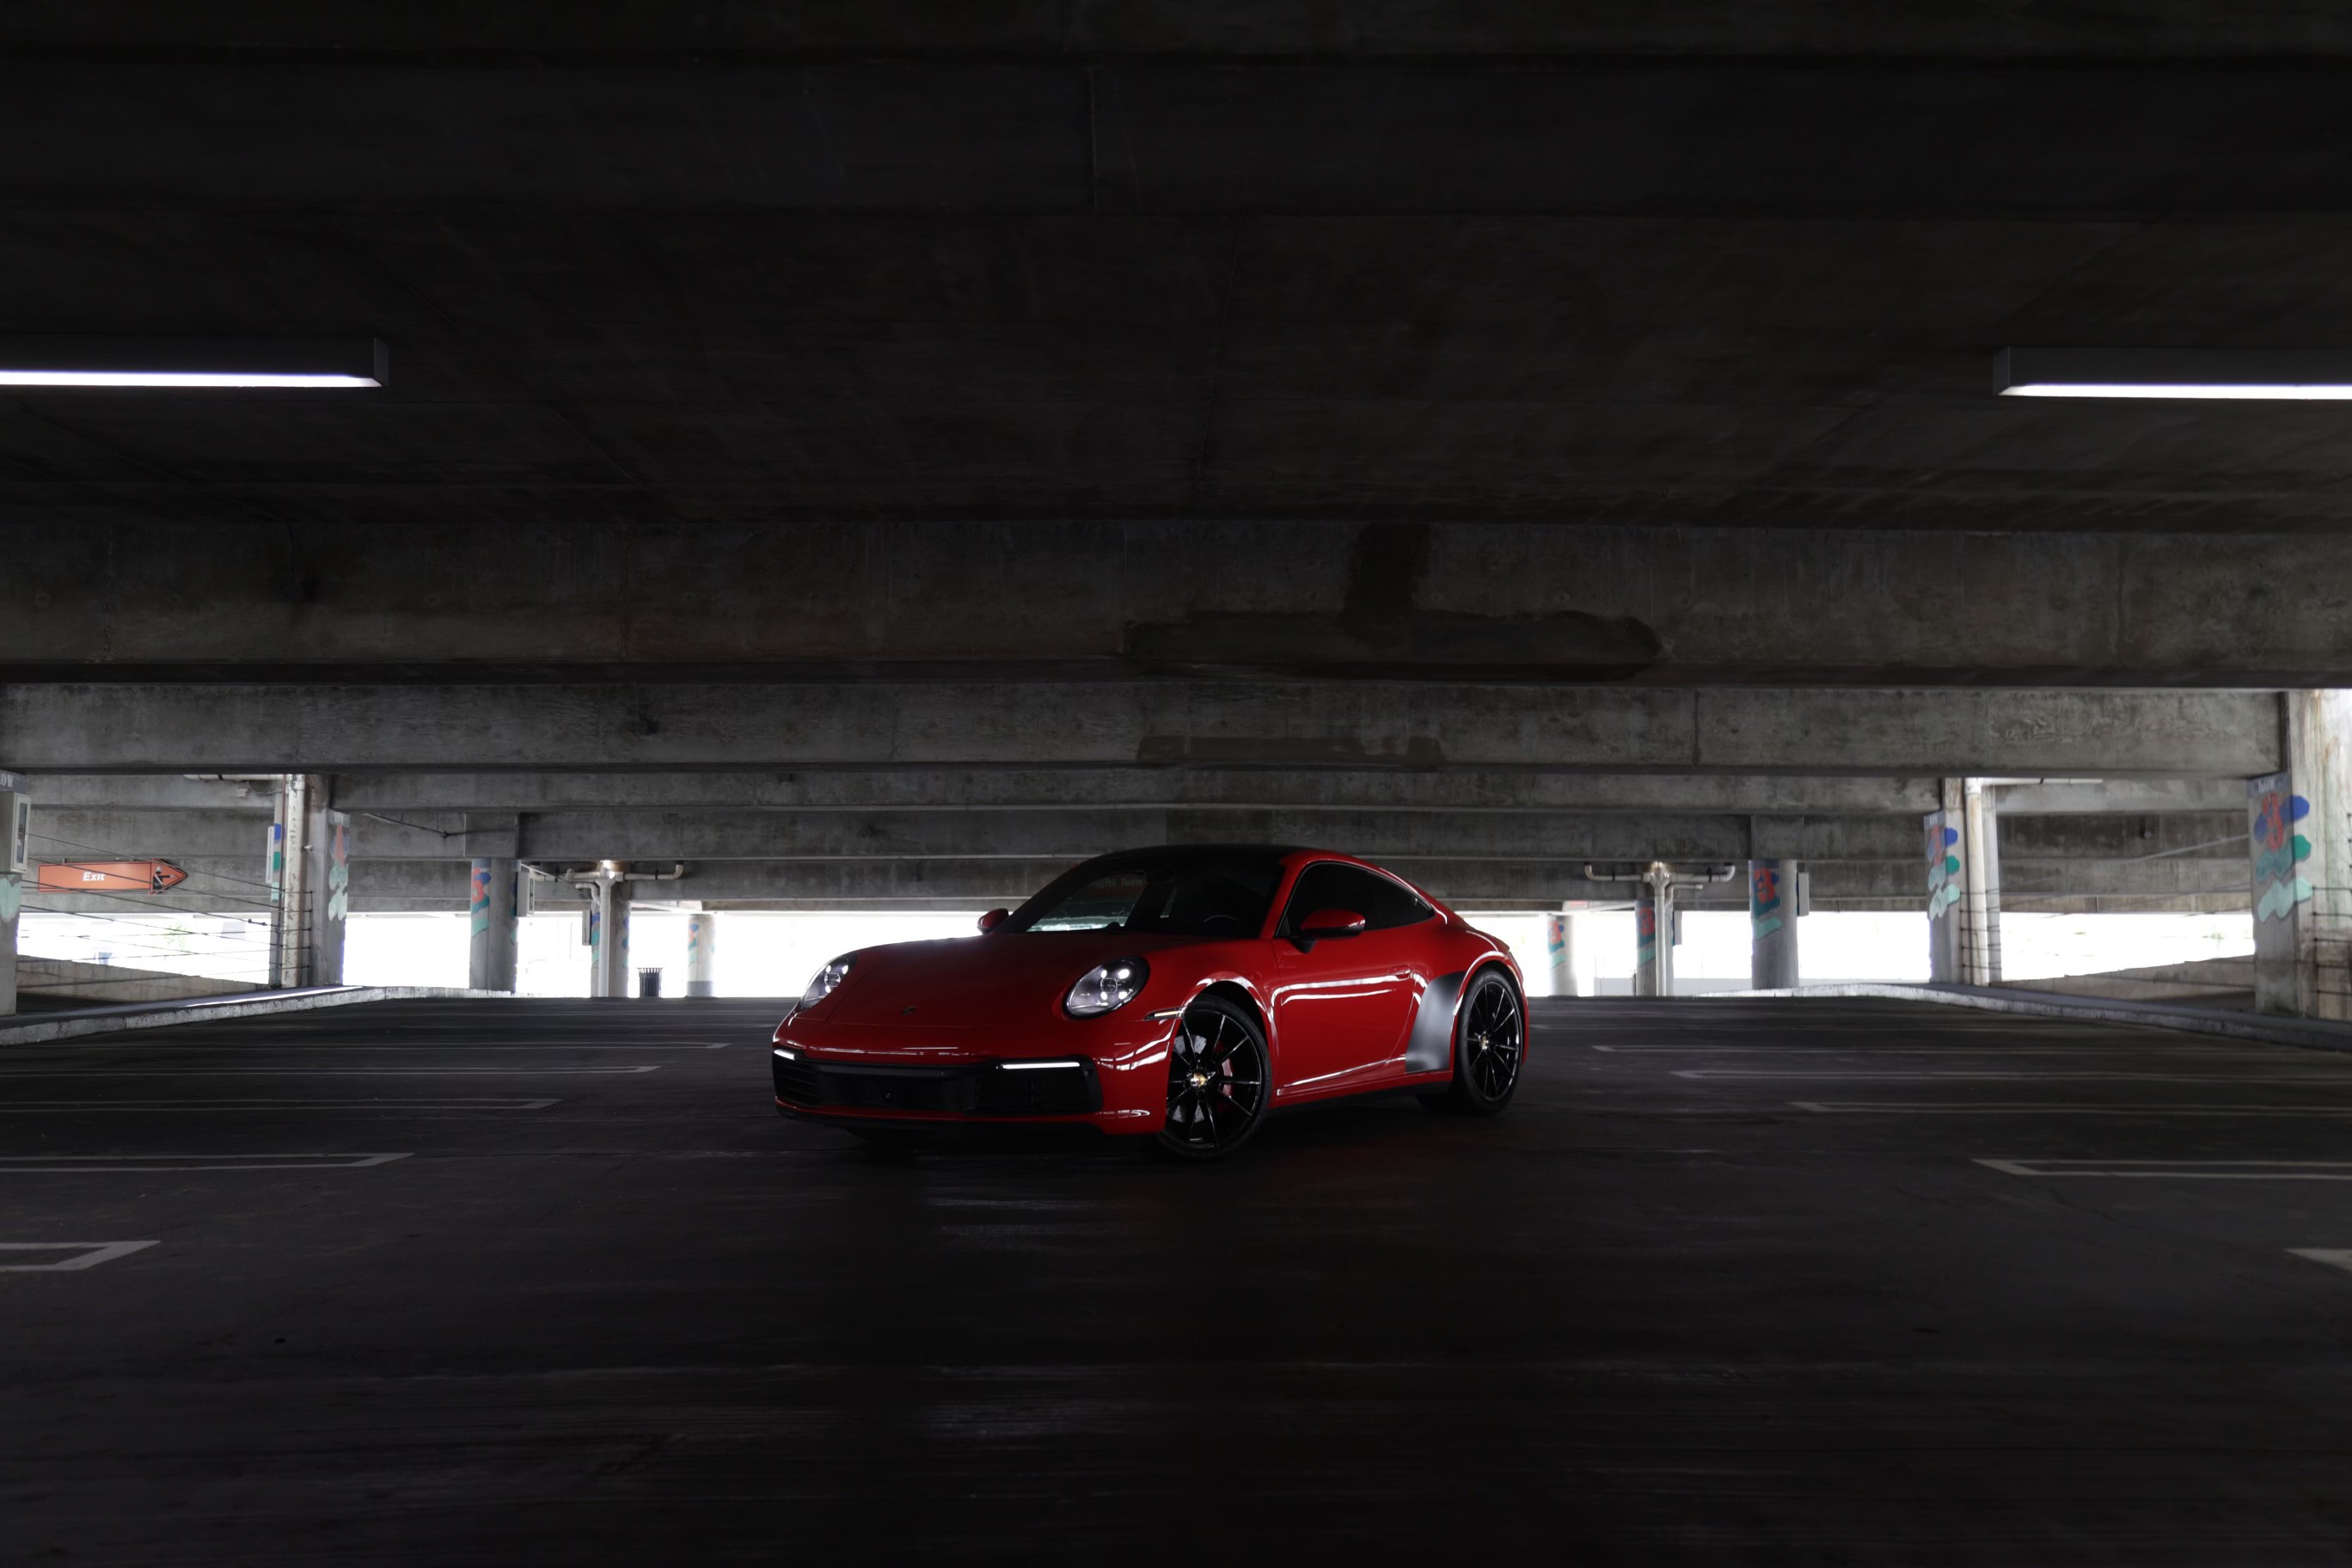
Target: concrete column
column 1772, row 924
column 608, row 937
column 490, row 963
column 309, row 885
column 2299, row 824
column 285, row 890
column 1654, row 932
column 329, row 872
column 701, row 954
column 1947, row 868
column 1980, row 897
column 12, row 903
column 15, row 864
column 1559, row 949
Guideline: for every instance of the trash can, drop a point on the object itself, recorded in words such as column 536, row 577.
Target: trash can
column 649, row 983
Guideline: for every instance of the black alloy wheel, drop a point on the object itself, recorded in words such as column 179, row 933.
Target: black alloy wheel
column 1489, row 1037
column 1217, row 1082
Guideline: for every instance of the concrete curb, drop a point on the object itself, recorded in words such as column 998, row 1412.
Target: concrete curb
column 2314, row 1033
column 210, row 1009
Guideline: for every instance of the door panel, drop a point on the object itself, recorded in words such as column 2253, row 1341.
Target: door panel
column 1341, row 1010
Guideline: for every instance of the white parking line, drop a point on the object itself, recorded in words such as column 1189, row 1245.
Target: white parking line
column 2334, row 1256
column 79, row 1255
column 69, row 1164
column 2289, row 1053
column 63, row 1106
column 2182, row 1170
column 2301, row 1080
column 338, row 1046
column 321, row 1072
column 2057, row 1107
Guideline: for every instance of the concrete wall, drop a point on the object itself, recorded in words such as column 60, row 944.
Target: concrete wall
column 61, row 983
column 1684, row 605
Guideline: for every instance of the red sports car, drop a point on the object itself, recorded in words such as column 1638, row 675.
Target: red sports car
column 1179, row 994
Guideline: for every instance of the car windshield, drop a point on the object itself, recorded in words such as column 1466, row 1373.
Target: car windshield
column 1217, row 893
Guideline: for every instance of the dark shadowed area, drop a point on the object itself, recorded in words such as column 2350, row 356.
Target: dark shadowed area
column 1732, row 1281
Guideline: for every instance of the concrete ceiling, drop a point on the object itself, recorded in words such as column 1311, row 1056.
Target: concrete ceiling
column 906, row 389
column 1090, row 269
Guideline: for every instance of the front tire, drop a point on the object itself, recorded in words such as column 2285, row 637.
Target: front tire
column 1218, row 1081
column 1490, row 1037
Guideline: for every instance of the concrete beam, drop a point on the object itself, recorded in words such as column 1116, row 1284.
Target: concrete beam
column 2214, row 835
column 1686, row 605
column 1073, row 834
column 336, row 729
column 930, row 787
column 2052, row 797
column 1069, row 834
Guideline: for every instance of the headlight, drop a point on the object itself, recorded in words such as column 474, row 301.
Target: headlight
column 1107, row 986
column 827, row 980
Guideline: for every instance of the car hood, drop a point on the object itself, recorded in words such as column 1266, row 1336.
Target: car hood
column 969, row 980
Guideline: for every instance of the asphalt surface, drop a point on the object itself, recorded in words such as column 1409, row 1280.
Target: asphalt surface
column 1732, row 1282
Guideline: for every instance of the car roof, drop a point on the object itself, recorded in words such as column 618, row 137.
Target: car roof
column 1271, row 851
column 1290, row 855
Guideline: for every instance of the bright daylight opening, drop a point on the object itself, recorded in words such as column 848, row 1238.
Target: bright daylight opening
column 772, row 953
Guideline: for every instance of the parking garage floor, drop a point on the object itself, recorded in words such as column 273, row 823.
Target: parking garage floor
column 1834, row 1281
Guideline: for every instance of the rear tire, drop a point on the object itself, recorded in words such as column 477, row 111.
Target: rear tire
column 1219, row 1080
column 1490, row 1039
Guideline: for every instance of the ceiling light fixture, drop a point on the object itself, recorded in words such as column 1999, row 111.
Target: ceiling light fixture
column 2291, row 375
column 176, row 362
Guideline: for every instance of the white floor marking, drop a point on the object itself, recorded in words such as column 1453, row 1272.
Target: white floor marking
column 2288, row 1053
column 62, row 1107
column 2182, row 1170
column 338, row 1046
column 2302, row 1080
column 65, row 1165
column 2334, row 1256
column 322, row 1072
column 79, row 1255
column 2055, row 1108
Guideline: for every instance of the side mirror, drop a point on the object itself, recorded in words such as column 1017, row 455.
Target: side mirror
column 993, row 918
column 1324, row 925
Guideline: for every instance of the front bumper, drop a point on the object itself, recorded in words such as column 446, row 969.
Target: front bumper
column 982, row 1090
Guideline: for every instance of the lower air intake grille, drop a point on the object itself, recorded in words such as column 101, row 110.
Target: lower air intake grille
column 1036, row 1092
column 796, row 1081
column 985, row 1088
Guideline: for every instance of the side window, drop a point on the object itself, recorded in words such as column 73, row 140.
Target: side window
column 1319, row 887
column 1392, row 904
column 1330, row 885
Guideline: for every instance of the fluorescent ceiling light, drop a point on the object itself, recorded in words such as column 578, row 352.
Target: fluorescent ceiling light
column 2230, row 375
column 179, row 362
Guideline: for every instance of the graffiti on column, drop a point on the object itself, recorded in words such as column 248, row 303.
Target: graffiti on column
column 2272, row 811
column 1645, row 933
column 1763, row 901
column 481, row 907
column 338, row 865
column 1943, row 865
